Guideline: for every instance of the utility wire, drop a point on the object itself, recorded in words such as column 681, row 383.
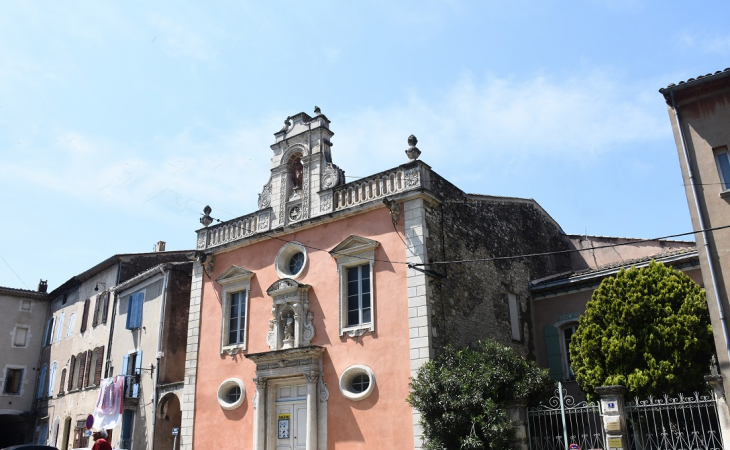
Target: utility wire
column 502, row 258
column 11, row 269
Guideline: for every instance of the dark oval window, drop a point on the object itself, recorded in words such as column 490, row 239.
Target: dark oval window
column 296, row 263
column 360, row 383
column 233, row 394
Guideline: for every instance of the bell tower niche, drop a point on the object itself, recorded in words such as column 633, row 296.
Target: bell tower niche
column 291, row 325
column 301, row 170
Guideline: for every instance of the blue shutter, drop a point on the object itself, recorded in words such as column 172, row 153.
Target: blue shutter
column 137, row 371
column 127, row 419
column 42, row 382
column 51, row 379
column 60, row 326
column 552, row 350
column 134, row 311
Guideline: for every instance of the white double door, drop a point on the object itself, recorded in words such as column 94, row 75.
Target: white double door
column 291, row 417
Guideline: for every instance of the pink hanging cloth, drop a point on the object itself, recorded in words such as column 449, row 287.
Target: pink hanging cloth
column 110, row 404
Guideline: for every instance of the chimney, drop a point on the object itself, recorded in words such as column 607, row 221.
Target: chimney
column 160, row 247
column 43, row 286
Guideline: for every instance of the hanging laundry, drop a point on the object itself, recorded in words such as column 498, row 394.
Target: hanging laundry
column 110, row 404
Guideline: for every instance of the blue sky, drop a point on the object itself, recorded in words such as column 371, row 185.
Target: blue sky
column 119, row 121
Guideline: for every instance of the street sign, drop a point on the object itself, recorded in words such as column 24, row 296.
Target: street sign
column 175, row 431
column 89, row 421
column 574, row 447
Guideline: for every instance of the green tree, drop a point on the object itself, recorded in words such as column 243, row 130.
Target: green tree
column 647, row 329
column 461, row 395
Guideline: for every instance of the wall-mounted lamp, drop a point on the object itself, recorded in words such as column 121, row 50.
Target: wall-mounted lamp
column 96, row 288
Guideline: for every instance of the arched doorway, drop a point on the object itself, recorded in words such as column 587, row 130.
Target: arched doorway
column 66, row 434
column 168, row 417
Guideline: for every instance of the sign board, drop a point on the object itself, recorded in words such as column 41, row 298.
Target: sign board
column 613, row 426
column 89, row 421
column 175, row 431
column 574, row 447
column 284, row 426
column 615, row 442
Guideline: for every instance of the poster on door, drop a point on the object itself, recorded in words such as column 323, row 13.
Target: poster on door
column 284, row 426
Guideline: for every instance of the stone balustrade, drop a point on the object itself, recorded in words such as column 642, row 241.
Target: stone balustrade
column 376, row 187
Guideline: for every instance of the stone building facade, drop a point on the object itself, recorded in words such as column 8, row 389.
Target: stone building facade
column 309, row 316
column 22, row 323
column 699, row 111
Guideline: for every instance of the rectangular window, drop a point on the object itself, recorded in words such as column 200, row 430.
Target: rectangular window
column 127, row 428
column 237, row 318
column 13, row 379
column 21, row 336
column 25, row 305
column 723, row 167
column 134, row 310
column 358, row 295
column 71, row 323
column 60, row 326
column 568, row 332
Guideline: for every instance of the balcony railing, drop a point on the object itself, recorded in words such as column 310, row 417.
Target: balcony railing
column 131, row 386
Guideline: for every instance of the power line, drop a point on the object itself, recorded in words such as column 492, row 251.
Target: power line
column 11, row 269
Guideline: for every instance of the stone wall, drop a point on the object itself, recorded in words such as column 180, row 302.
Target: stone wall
column 470, row 302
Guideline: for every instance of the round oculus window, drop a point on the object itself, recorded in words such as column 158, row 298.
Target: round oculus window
column 291, row 260
column 231, row 393
column 357, row 382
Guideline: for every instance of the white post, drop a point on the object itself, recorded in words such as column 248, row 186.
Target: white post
column 259, row 419
column 312, row 378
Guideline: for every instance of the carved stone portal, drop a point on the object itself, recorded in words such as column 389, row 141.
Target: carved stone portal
column 291, row 325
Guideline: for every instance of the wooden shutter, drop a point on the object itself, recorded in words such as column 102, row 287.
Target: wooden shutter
column 105, row 309
column 63, row 381
column 82, row 369
column 71, row 373
column 85, row 317
column 42, row 382
column 99, row 364
column 95, row 318
column 552, row 349
column 134, row 311
column 88, row 359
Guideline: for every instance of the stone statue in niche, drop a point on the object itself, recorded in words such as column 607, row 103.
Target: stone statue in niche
column 297, row 173
column 289, row 333
column 291, row 325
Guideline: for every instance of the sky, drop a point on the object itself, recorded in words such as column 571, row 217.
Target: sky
column 120, row 121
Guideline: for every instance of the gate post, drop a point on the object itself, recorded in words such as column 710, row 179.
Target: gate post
column 723, row 414
column 614, row 418
column 517, row 412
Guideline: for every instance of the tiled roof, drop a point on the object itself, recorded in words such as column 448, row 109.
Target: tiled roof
column 693, row 80
column 21, row 292
column 607, row 269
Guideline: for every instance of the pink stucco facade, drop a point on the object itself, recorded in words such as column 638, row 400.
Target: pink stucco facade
column 378, row 421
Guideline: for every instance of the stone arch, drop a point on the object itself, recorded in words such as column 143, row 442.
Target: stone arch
column 291, row 151
column 168, row 416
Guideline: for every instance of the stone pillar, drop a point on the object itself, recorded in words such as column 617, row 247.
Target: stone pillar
column 614, row 418
column 517, row 412
column 259, row 419
column 723, row 415
column 312, row 378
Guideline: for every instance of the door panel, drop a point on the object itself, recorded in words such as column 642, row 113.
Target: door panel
column 300, row 426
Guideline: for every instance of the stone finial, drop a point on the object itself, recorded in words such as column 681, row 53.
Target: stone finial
column 317, row 111
column 287, row 125
column 206, row 219
column 413, row 152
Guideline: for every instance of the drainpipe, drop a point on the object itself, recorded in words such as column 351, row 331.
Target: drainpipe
column 113, row 321
column 166, row 271
column 701, row 219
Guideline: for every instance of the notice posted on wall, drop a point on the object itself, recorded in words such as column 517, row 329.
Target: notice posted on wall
column 284, row 426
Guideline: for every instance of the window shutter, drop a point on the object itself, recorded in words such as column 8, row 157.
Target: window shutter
column 88, row 367
column 42, row 382
column 82, row 369
column 105, row 309
column 48, row 329
column 59, row 334
column 95, row 318
column 552, row 349
column 99, row 364
column 134, row 310
column 52, row 379
column 63, row 381
column 85, row 316
column 71, row 323
column 71, row 373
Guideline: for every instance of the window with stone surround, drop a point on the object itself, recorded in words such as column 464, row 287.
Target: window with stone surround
column 13, row 380
column 355, row 258
column 235, row 287
column 722, row 159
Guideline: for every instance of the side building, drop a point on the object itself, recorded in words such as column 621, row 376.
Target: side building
column 309, row 316
column 75, row 357
column 699, row 113
column 22, row 323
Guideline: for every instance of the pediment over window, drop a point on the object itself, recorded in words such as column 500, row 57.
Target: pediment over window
column 234, row 274
column 284, row 285
column 353, row 245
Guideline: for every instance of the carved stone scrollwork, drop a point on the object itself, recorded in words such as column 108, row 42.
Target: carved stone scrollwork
column 265, row 196
column 209, row 266
column 260, row 382
column 356, row 333
column 311, row 377
column 412, row 177
column 308, row 327
column 332, row 176
column 325, row 202
column 324, row 393
column 202, row 238
column 232, row 351
column 271, row 336
column 263, row 221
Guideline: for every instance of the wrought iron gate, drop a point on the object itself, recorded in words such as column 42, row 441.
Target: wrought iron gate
column 563, row 422
column 688, row 423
